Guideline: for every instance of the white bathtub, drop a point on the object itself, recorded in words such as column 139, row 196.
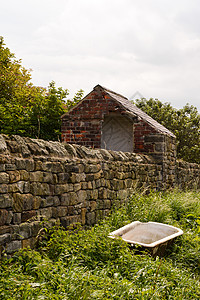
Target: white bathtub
column 152, row 235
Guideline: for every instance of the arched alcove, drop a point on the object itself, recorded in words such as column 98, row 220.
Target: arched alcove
column 117, row 134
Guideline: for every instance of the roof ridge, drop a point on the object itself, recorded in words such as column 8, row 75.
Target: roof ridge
column 109, row 91
column 132, row 108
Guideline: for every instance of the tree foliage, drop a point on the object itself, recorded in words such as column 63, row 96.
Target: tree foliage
column 25, row 109
column 184, row 123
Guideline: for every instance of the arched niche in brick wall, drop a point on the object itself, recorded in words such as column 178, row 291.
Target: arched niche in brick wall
column 117, row 134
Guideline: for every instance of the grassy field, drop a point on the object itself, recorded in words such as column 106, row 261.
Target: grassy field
column 86, row 264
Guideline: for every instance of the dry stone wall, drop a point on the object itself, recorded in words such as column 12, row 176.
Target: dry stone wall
column 44, row 182
column 51, row 181
column 187, row 175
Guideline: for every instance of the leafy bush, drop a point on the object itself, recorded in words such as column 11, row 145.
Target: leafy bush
column 86, row 264
column 184, row 123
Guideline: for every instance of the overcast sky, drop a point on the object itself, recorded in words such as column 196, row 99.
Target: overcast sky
column 149, row 46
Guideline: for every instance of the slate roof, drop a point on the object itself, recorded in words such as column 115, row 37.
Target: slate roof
column 135, row 111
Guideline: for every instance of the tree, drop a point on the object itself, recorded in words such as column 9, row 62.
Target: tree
column 25, row 109
column 16, row 92
column 184, row 123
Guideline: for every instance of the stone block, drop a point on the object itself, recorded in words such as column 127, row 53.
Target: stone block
column 20, row 164
column 61, row 189
column 10, row 167
column 56, row 201
column 90, row 218
column 14, row 176
column 49, row 201
column 3, row 146
column 71, row 210
column 65, row 199
column 36, row 202
column 21, row 186
column 94, row 194
column 13, row 246
column 28, row 200
column 35, row 227
column 17, row 218
column 99, row 204
column 3, row 216
column 28, row 243
column 83, row 215
column 89, row 185
column 27, row 215
column 57, row 167
column 22, row 202
column 63, row 177
column 112, row 195
column 36, row 176
column 29, row 165
column 69, row 220
column 2, row 168
column 74, row 178
column 122, row 194
column 71, row 168
column 40, row 189
column 13, row 188
column 89, row 177
column 103, row 182
column 55, row 212
column 77, row 186
column 99, row 215
column 9, row 217
column 49, row 178
column 98, row 175
column 24, row 175
column 24, row 231
column 69, row 199
column 92, row 168
column 102, row 193
column 3, row 188
column 159, row 147
column 6, row 201
column 93, row 205
column 81, row 196
column 46, row 212
column 62, row 211
column 5, row 238
column 107, row 204
column 81, row 168
column 6, row 229
column 26, row 187
column 84, row 185
column 154, row 138
column 55, row 179
column 4, row 177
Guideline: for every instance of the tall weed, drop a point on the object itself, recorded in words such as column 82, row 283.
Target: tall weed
column 86, row 264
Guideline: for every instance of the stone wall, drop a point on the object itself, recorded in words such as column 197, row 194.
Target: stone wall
column 51, row 181
column 187, row 175
column 70, row 183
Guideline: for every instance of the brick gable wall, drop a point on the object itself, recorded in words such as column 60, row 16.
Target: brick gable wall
column 83, row 124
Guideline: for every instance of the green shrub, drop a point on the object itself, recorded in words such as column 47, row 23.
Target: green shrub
column 86, row 264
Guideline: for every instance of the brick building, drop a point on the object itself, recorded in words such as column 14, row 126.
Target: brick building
column 105, row 119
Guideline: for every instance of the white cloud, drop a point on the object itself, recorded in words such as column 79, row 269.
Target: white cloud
column 149, row 45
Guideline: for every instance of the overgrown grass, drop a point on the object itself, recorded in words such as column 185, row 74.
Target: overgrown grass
column 86, row 264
